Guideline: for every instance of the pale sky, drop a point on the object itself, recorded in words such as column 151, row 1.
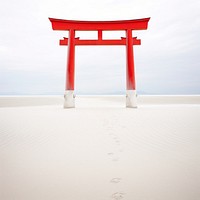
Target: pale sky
column 32, row 62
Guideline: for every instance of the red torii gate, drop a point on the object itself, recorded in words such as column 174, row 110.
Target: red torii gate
column 127, row 25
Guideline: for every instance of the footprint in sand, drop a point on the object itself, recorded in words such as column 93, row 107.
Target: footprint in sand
column 118, row 195
column 113, row 156
column 115, row 180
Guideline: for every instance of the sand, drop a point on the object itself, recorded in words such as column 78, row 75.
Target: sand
column 100, row 150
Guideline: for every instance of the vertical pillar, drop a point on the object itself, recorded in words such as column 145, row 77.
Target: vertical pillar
column 69, row 98
column 99, row 34
column 130, row 72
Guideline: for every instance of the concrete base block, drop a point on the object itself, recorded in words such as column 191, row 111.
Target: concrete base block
column 131, row 99
column 69, row 99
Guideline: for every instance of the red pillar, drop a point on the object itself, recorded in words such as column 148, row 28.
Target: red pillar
column 130, row 72
column 70, row 61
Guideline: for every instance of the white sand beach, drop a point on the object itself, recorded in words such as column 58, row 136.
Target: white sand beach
column 100, row 150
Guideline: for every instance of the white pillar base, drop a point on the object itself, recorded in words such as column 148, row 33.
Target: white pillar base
column 69, row 99
column 131, row 99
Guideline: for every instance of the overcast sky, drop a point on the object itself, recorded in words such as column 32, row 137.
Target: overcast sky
column 32, row 62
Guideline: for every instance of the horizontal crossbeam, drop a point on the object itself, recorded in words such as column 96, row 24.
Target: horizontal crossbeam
column 100, row 42
column 134, row 24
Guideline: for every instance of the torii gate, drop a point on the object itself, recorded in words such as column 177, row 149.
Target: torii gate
column 127, row 25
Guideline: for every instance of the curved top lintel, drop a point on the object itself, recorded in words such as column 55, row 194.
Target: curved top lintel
column 133, row 24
